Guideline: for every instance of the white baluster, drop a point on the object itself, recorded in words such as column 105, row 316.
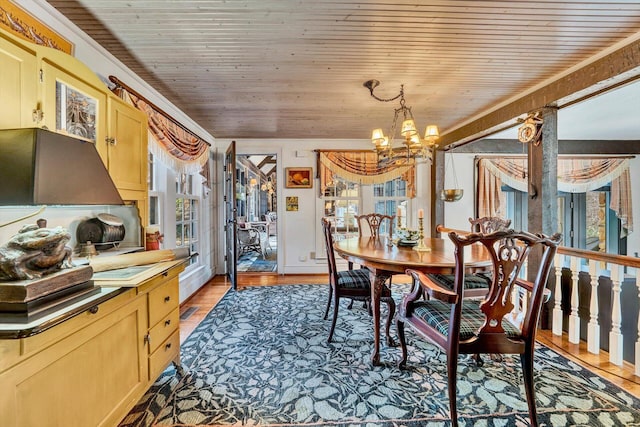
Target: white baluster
column 637, row 359
column 593, row 329
column 557, row 296
column 615, row 336
column 574, row 319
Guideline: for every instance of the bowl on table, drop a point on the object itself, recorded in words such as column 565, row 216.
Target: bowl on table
column 407, row 237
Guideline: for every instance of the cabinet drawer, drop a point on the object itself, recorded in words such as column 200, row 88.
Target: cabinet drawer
column 162, row 301
column 163, row 329
column 166, row 352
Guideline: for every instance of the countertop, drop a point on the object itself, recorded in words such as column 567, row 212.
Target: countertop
column 110, row 283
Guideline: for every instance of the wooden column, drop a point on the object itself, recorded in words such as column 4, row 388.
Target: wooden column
column 543, row 176
column 543, row 192
column 437, row 185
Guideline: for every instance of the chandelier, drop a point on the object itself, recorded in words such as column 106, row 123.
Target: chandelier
column 268, row 187
column 412, row 145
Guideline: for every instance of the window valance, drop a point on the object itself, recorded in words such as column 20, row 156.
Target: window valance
column 170, row 142
column 362, row 166
column 575, row 175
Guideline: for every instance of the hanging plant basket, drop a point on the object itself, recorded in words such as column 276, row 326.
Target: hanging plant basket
column 451, row 194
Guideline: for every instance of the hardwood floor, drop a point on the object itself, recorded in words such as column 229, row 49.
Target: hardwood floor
column 208, row 296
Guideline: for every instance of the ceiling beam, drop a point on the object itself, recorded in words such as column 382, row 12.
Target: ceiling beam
column 565, row 146
column 614, row 69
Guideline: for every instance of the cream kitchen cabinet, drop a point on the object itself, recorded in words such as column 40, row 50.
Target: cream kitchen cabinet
column 91, row 368
column 87, row 371
column 44, row 87
column 125, row 148
column 18, row 84
column 124, row 151
column 163, row 335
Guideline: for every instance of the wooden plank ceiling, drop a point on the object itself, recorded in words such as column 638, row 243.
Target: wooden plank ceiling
column 295, row 68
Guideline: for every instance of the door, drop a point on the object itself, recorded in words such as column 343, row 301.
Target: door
column 230, row 213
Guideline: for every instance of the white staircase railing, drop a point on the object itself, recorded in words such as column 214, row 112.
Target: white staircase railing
column 597, row 265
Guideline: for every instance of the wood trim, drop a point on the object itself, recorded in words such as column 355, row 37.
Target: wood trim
column 565, row 147
column 625, row 260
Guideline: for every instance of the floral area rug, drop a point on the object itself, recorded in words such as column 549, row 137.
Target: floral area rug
column 261, row 358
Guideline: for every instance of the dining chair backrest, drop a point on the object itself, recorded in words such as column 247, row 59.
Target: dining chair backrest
column 489, row 224
column 328, row 242
column 373, row 224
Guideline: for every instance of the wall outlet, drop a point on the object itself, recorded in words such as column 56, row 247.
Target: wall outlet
column 302, row 258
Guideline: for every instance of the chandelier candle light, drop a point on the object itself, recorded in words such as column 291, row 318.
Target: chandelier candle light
column 413, row 146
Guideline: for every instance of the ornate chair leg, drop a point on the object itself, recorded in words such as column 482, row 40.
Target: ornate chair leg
column 526, row 362
column 326, row 311
column 478, row 359
column 452, row 372
column 392, row 311
column 402, row 364
column 336, row 304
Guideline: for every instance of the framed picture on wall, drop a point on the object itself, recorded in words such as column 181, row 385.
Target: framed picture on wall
column 292, row 203
column 76, row 112
column 298, row 177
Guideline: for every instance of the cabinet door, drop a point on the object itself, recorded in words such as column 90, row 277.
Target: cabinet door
column 18, row 85
column 73, row 106
column 91, row 378
column 127, row 146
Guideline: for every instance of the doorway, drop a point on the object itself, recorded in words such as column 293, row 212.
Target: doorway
column 256, row 213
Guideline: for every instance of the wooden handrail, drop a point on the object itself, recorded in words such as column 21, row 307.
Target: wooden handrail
column 626, row 260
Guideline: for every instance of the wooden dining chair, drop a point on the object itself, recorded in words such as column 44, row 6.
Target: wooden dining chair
column 467, row 326
column 488, row 224
column 374, row 222
column 354, row 284
column 476, row 285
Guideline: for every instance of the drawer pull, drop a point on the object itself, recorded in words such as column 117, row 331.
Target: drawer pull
column 167, row 322
column 165, row 274
column 168, row 346
column 94, row 309
column 167, row 299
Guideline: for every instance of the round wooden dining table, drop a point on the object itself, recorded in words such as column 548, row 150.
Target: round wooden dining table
column 384, row 259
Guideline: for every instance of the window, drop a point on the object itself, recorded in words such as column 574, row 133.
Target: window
column 341, row 203
column 584, row 219
column 390, row 198
column 154, row 195
column 187, row 215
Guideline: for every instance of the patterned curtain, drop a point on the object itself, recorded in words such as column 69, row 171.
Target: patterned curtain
column 575, row 175
column 172, row 144
column 362, row 166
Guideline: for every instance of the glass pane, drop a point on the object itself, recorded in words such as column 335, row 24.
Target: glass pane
column 179, row 203
column 150, row 174
column 187, row 209
column 596, row 232
column 194, row 231
column 194, row 209
column 329, row 208
column 154, row 210
column 378, row 190
column 178, row 234
column 189, row 184
column 187, row 234
column 390, row 188
column 402, row 188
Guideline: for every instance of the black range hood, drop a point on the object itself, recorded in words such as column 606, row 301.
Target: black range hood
column 40, row 167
